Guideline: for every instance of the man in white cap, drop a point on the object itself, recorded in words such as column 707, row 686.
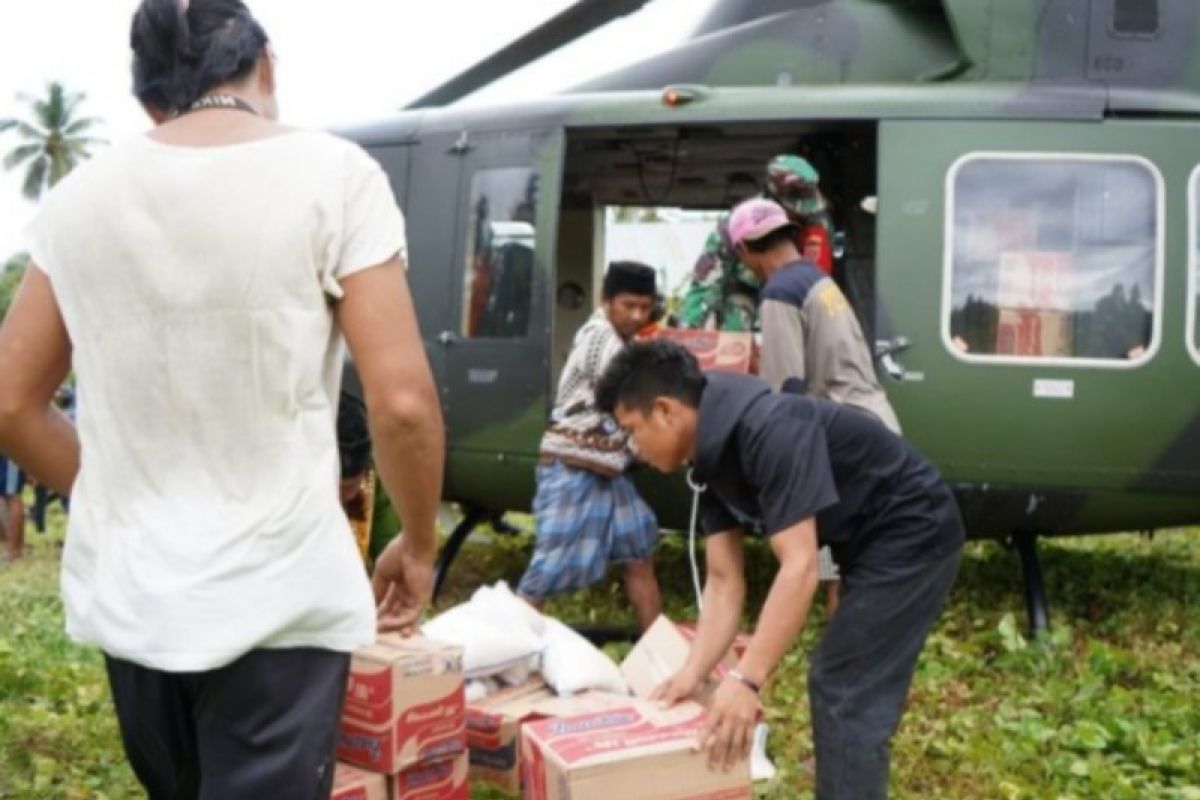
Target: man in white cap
column 809, row 331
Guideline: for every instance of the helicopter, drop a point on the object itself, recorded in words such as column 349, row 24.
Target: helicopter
column 1028, row 274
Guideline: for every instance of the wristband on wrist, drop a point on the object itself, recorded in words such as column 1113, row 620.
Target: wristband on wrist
column 741, row 678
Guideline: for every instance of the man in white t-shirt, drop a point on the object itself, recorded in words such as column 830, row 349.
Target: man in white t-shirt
column 199, row 281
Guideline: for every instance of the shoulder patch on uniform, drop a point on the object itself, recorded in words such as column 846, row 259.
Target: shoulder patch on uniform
column 831, row 298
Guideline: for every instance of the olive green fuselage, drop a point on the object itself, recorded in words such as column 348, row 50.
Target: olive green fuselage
column 1021, row 205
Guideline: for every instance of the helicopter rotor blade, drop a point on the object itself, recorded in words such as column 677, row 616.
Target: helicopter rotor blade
column 580, row 19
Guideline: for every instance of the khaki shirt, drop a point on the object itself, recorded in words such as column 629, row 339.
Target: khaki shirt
column 810, row 332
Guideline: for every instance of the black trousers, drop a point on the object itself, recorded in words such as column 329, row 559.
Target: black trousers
column 262, row 726
column 860, row 673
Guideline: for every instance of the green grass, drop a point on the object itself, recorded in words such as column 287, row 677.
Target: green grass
column 1105, row 707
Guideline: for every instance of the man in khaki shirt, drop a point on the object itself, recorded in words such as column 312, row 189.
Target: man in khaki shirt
column 809, row 331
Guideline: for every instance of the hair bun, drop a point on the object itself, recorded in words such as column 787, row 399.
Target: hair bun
column 182, row 48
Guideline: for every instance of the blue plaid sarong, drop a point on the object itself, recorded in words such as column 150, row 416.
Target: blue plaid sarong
column 585, row 521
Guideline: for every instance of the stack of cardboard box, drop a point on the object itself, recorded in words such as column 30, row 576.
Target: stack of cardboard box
column 403, row 735
column 406, row 728
column 598, row 744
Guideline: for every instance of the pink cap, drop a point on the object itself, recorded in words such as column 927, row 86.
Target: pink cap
column 755, row 218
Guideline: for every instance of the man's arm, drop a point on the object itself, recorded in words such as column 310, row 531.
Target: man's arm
column 733, row 712
column 787, row 604
column 377, row 318
column 724, row 595
column 782, row 343
column 35, row 357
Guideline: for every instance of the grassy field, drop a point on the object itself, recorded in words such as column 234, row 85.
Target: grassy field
column 1108, row 706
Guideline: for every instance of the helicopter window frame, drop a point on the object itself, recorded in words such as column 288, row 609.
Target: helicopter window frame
column 1085, row 362
column 468, row 309
column 1191, row 336
column 1118, row 22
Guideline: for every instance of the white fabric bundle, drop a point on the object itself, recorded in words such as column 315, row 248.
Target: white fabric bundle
column 571, row 664
column 506, row 639
column 496, row 636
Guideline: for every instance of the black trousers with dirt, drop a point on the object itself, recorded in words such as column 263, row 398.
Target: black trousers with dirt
column 860, row 673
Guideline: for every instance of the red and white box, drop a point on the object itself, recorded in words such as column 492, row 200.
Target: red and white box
column 494, row 726
column 404, row 705
column 493, row 732
column 719, row 350
column 639, row 750
column 439, row 780
column 352, row 783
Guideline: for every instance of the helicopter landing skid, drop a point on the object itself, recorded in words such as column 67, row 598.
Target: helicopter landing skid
column 470, row 521
column 1035, row 587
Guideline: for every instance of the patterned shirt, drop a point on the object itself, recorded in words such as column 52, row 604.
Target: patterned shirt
column 579, row 434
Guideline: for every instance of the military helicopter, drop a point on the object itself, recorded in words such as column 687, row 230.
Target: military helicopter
column 1029, row 275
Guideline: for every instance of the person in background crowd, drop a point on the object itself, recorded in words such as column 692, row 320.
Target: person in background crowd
column 202, row 281
column 12, row 509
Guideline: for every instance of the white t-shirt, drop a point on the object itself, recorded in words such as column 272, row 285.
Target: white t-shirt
column 197, row 285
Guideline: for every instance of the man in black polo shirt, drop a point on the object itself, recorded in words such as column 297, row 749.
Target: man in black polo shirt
column 800, row 470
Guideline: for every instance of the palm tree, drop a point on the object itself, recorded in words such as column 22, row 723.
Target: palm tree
column 53, row 141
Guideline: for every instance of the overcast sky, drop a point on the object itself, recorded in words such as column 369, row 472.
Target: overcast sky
column 338, row 62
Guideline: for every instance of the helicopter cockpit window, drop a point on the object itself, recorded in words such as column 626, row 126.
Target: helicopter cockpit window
column 498, row 288
column 1053, row 258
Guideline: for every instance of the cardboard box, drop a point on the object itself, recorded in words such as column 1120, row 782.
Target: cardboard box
column 736, row 650
column 1026, row 332
column 404, row 705
column 661, row 652
column 493, row 732
column 583, row 703
column 640, row 750
column 440, row 780
column 494, row 726
column 352, row 783
column 719, row 350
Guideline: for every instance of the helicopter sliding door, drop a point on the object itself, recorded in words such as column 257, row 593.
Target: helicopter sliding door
column 496, row 336
column 1033, row 304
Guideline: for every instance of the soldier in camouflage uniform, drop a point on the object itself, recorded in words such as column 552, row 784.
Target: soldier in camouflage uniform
column 723, row 292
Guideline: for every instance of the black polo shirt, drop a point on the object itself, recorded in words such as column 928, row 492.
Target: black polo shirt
column 772, row 460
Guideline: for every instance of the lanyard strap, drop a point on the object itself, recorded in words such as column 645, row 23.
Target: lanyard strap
column 219, row 101
column 697, row 490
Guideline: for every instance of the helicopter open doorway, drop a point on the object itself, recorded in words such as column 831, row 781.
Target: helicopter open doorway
column 704, row 168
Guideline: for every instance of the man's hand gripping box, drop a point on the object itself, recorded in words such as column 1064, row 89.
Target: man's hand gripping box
column 639, row 750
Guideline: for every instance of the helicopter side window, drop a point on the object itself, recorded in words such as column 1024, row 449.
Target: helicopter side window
column 498, row 277
column 1053, row 258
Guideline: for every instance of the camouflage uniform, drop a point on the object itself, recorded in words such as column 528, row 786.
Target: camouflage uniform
column 723, row 292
